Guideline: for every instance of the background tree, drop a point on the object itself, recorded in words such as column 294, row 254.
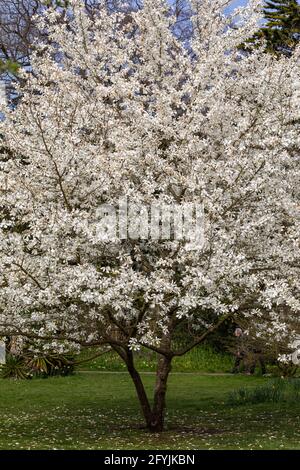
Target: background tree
column 281, row 29
column 129, row 112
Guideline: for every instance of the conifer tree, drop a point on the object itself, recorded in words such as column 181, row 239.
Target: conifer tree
column 281, row 30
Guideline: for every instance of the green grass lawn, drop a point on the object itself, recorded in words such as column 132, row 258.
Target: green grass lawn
column 99, row 411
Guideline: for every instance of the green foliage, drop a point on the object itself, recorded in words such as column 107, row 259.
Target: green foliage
column 56, row 3
column 203, row 358
column 15, row 368
column 275, row 391
column 31, row 365
column 49, row 365
column 9, row 66
column 281, row 31
column 286, row 369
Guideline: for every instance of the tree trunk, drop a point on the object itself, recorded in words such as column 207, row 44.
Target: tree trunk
column 154, row 417
column 140, row 390
column 159, row 405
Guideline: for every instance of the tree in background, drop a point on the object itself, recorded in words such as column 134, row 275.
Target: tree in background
column 281, row 30
column 129, row 112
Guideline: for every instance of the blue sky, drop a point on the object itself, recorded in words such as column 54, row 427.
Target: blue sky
column 238, row 3
column 241, row 2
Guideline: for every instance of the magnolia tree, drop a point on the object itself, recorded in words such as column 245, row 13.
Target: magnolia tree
column 149, row 187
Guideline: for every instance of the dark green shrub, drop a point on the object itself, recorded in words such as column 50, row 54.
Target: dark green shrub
column 46, row 365
column 31, row 365
column 15, row 368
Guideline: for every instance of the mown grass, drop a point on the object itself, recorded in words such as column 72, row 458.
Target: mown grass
column 99, row 411
column 201, row 359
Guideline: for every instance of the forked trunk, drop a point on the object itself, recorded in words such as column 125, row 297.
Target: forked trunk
column 154, row 417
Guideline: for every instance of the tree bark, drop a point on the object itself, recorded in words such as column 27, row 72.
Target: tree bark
column 140, row 390
column 154, row 417
column 159, row 404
